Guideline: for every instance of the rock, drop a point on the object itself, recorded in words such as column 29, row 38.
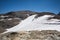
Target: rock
column 32, row 35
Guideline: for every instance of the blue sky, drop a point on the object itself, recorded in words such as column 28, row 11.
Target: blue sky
column 33, row 5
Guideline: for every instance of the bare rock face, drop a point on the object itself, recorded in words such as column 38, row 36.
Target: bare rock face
column 8, row 24
column 32, row 35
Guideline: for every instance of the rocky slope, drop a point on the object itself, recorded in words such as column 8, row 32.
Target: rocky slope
column 32, row 35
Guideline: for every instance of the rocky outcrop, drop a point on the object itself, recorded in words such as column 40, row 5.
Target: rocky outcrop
column 8, row 23
column 32, row 35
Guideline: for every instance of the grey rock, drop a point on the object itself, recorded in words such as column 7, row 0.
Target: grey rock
column 32, row 35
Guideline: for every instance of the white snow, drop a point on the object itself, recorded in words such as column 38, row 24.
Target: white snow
column 3, row 16
column 12, row 18
column 9, row 19
column 32, row 23
column 56, row 20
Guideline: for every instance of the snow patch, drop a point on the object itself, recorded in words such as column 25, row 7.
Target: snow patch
column 32, row 23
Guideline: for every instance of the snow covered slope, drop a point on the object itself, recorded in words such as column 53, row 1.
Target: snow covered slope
column 39, row 23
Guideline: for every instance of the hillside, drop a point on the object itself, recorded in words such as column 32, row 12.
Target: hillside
column 32, row 35
column 29, row 25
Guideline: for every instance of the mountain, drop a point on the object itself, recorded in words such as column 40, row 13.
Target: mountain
column 11, row 19
column 29, row 25
column 33, row 23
